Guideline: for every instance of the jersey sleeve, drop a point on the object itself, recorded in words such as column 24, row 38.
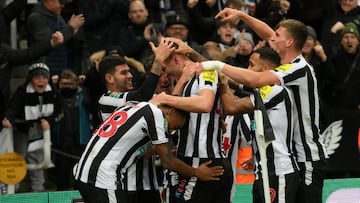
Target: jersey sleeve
column 208, row 79
column 157, row 126
column 292, row 74
column 271, row 95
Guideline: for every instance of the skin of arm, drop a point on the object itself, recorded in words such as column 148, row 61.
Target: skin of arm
column 188, row 72
column 23, row 56
column 233, row 105
column 184, row 48
column 250, row 78
column 203, row 172
column 261, row 28
column 161, row 52
column 202, row 103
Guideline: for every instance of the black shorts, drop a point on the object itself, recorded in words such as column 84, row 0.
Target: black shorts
column 91, row 194
column 282, row 188
column 191, row 189
column 312, row 175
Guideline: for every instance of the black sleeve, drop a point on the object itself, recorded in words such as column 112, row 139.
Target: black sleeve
column 16, row 105
column 14, row 9
column 24, row 56
column 146, row 90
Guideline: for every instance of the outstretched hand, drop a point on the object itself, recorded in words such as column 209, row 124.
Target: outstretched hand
column 229, row 14
column 206, row 173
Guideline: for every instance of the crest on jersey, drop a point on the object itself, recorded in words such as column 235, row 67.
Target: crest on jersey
column 332, row 136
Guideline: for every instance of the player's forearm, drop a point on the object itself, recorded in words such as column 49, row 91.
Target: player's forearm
column 190, row 104
column 196, row 56
column 263, row 30
column 241, row 75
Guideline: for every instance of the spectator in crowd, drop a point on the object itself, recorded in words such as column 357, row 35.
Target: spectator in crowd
column 45, row 19
column 102, row 171
column 345, row 64
column 178, row 26
column 342, row 12
column 272, row 12
column 72, row 132
column 202, row 15
column 103, row 20
column 344, row 103
column 133, row 33
column 245, row 42
column 224, row 46
column 10, row 57
column 33, row 109
column 159, row 9
column 314, row 14
column 7, row 14
column 288, row 40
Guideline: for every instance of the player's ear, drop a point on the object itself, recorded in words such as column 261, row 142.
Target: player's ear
column 108, row 78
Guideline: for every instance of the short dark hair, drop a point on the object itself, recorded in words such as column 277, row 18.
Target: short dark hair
column 270, row 55
column 297, row 30
column 69, row 74
column 108, row 64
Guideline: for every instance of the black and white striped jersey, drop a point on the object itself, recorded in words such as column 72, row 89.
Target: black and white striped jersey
column 299, row 77
column 119, row 142
column 109, row 101
column 280, row 157
column 201, row 135
column 237, row 134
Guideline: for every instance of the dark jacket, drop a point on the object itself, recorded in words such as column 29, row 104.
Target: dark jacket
column 10, row 57
column 41, row 24
column 75, row 127
column 16, row 110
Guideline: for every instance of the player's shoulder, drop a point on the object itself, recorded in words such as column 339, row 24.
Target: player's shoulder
column 270, row 90
column 208, row 76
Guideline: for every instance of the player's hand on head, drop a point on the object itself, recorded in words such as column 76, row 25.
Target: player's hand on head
column 190, row 69
column 163, row 50
column 158, row 99
column 182, row 47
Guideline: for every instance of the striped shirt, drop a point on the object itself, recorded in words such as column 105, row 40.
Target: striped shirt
column 118, row 143
column 299, row 77
column 280, row 157
column 201, row 135
column 109, row 101
column 142, row 175
column 236, row 134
